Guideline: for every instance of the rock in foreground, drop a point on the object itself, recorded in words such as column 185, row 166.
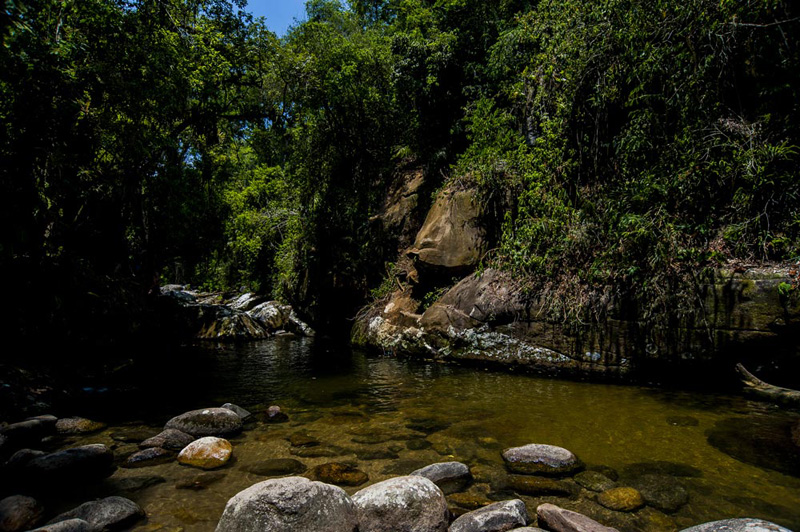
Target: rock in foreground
column 558, row 519
column 206, row 453
column 111, row 513
column 207, row 422
column 496, row 517
column 738, row 525
column 291, row 503
column 402, row 504
column 542, row 459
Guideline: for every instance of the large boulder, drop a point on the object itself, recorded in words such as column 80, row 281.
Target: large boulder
column 558, row 519
column 206, row 453
column 738, row 525
column 451, row 477
column 451, row 239
column 111, row 513
column 543, row 459
column 19, row 513
column 291, row 503
column 402, row 504
column 171, row 439
column 272, row 314
column 497, row 517
column 207, row 422
column 82, row 464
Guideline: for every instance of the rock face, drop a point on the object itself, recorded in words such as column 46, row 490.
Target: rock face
column 171, row 439
column 542, row 459
column 738, row 525
column 497, row 517
column 402, row 504
column 206, row 453
column 451, row 238
column 451, row 477
column 207, row 422
column 111, row 513
column 291, row 503
column 272, row 315
column 19, row 513
column 246, row 302
column 558, row 519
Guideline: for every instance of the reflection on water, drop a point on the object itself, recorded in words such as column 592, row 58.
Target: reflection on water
column 388, row 417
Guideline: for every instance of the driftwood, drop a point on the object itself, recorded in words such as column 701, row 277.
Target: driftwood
column 768, row 392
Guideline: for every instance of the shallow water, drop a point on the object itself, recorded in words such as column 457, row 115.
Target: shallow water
column 423, row 413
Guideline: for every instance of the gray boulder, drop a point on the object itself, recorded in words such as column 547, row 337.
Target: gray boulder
column 238, row 410
column 497, row 517
column 558, row 519
column 291, row 503
column 19, row 513
column 207, row 422
column 543, row 459
column 171, row 439
column 402, row 504
column 451, row 477
column 738, row 525
column 111, row 513
column 70, row 525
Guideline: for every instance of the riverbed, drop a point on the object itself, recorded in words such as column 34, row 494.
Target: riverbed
column 389, row 416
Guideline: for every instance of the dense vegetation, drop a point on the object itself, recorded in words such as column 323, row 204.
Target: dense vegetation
column 623, row 145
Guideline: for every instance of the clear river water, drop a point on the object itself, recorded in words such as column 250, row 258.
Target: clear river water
column 386, row 416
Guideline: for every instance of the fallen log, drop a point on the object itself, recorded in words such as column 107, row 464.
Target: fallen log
column 768, row 392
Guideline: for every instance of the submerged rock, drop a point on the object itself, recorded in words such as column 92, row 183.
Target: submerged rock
column 111, row 513
column 538, row 458
column 207, row 422
column 682, row 421
column 622, row 499
column 496, row 517
column 19, row 512
column 201, row 481
column 276, row 467
column 275, row 415
column 594, row 481
column 78, row 425
column 339, row 474
column 738, row 525
column 661, row 467
column 762, row 441
column 291, row 503
column 206, row 453
column 402, row 504
column 661, row 491
column 171, row 439
column 449, row 476
column 302, row 439
column 558, row 519
column 540, row 486
column 134, row 483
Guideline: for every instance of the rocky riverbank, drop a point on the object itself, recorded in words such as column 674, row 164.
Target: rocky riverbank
column 47, row 464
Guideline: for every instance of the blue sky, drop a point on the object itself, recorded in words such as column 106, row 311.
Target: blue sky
column 280, row 14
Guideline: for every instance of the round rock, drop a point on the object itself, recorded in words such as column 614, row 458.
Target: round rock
column 738, row 525
column 171, row 439
column 207, row 422
column 291, row 503
column 206, row 453
column 543, row 459
column 402, row 504
column 451, row 477
column 111, row 513
column 621, row 499
column 497, row 517
column 19, row 513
